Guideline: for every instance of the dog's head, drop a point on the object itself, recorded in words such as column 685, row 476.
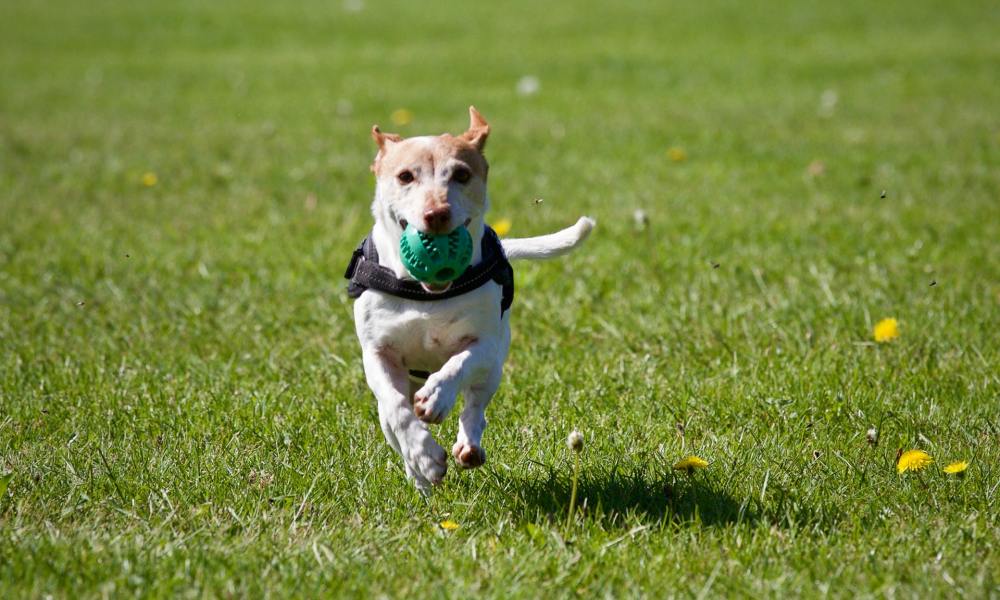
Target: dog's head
column 435, row 183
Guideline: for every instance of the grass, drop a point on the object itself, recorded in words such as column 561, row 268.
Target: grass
column 182, row 406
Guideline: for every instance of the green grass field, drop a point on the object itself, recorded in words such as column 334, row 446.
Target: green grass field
column 182, row 404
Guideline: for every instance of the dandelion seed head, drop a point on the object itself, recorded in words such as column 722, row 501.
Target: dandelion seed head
column 575, row 441
column 641, row 218
column 872, row 437
column 827, row 103
column 529, row 85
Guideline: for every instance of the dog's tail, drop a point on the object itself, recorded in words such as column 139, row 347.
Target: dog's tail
column 553, row 244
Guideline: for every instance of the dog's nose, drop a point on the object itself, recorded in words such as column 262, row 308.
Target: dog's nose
column 438, row 218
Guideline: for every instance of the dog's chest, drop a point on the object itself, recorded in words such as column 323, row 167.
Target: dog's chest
column 425, row 334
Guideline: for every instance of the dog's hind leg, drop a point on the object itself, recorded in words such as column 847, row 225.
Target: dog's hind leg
column 468, row 449
column 425, row 460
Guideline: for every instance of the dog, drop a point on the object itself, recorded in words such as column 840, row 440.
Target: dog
column 423, row 344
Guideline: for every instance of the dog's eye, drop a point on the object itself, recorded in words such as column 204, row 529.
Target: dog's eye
column 405, row 177
column 461, row 175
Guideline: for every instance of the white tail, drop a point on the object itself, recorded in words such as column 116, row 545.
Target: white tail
column 553, row 244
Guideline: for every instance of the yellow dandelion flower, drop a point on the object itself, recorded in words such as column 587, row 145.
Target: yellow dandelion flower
column 401, row 116
column 677, row 154
column 449, row 525
column 502, row 227
column 912, row 460
column 957, row 468
column 691, row 463
column 886, row 330
column 149, row 179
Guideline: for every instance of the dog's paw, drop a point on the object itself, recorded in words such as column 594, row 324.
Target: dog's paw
column 468, row 456
column 433, row 402
column 426, row 462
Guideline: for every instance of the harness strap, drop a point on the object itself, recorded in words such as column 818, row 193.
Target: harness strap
column 365, row 273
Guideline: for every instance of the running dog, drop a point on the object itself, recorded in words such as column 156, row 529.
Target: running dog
column 423, row 344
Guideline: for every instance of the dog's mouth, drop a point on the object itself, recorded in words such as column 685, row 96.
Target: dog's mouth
column 403, row 223
column 436, row 288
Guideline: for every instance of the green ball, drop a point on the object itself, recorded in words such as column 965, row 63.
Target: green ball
column 436, row 258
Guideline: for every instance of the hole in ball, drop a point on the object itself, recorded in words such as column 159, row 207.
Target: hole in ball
column 445, row 274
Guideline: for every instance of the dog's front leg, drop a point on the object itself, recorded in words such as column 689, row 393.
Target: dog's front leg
column 425, row 460
column 471, row 365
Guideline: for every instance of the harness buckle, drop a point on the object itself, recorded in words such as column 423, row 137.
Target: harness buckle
column 352, row 266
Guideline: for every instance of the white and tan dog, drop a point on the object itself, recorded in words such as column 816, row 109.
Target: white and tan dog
column 438, row 183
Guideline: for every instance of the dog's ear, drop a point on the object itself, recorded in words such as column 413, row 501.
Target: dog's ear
column 382, row 138
column 478, row 130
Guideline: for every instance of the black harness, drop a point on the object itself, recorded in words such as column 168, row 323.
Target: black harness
column 365, row 273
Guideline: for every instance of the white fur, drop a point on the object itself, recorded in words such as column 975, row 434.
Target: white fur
column 548, row 246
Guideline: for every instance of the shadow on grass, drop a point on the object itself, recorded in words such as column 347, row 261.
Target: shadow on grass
column 620, row 497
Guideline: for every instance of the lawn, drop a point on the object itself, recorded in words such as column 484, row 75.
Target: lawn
column 182, row 405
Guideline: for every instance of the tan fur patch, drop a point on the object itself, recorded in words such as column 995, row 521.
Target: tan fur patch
column 395, row 153
column 414, row 154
